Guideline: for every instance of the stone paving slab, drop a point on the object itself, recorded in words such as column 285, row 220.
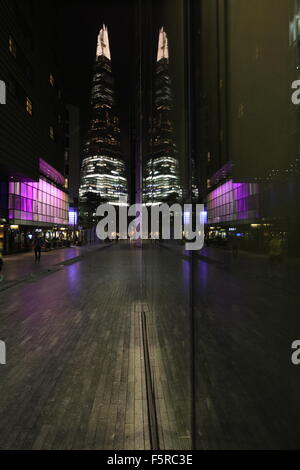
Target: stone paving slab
column 22, row 267
column 74, row 377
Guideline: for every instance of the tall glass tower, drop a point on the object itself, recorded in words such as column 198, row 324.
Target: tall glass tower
column 162, row 168
column 103, row 172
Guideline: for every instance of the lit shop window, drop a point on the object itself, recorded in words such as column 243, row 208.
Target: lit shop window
column 29, row 106
column 12, row 46
column 51, row 133
column 51, row 79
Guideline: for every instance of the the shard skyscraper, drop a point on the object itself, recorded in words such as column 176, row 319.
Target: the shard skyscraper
column 103, row 172
column 162, row 182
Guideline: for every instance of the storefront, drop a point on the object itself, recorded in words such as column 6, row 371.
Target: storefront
column 251, row 213
column 37, row 209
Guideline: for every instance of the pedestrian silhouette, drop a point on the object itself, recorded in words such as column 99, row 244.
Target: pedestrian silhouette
column 37, row 249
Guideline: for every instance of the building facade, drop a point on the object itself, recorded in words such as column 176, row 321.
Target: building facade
column 72, row 162
column 162, row 183
column 33, row 197
column 103, row 171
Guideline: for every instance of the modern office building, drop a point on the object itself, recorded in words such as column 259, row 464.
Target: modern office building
column 33, row 197
column 162, row 182
column 103, row 171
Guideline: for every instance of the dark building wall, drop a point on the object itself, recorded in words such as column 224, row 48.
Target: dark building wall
column 262, row 64
column 246, row 56
column 247, row 67
column 26, row 70
column 72, row 150
column 211, row 47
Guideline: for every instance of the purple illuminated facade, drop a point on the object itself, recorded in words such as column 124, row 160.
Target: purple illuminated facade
column 233, row 202
column 39, row 202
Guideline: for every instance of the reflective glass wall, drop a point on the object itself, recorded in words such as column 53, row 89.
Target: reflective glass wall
column 166, row 273
column 246, row 277
column 220, row 128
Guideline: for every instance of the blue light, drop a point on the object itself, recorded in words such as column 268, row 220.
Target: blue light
column 186, row 218
column 73, row 217
column 203, row 217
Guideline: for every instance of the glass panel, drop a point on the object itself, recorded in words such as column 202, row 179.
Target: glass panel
column 246, row 303
column 166, row 273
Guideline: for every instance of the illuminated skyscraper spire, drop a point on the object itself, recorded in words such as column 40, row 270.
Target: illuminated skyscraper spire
column 163, row 45
column 162, row 182
column 103, row 171
column 103, row 43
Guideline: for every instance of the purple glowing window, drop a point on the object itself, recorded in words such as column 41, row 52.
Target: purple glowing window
column 233, row 201
column 38, row 202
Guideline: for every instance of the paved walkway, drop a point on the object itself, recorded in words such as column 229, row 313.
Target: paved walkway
column 249, row 265
column 21, row 266
column 75, row 375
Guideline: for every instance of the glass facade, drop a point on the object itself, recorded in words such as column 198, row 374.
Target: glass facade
column 233, row 201
column 169, row 348
column 220, row 325
column 104, row 176
column 167, row 276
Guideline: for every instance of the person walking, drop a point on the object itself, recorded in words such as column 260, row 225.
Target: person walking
column 37, row 249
